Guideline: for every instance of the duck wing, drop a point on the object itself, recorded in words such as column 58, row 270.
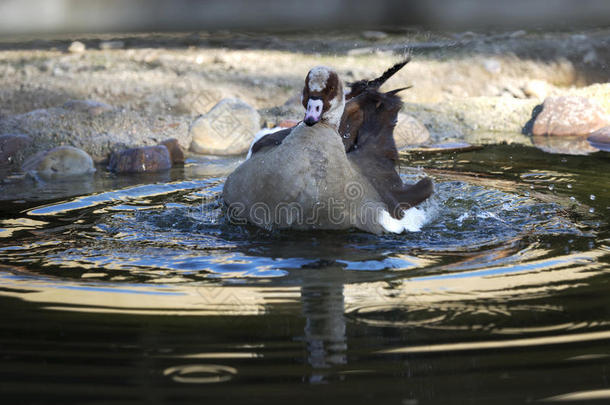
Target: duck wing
column 271, row 140
column 367, row 131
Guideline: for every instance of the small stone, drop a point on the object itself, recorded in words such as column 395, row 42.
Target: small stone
column 569, row 115
column 176, row 153
column 600, row 139
column 538, row 89
column 94, row 108
column 227, row 129
column 492, row 66
column 409, row 131
column 77, row 47
column 106, row 45
column 287, row 123
column 140, row 160
column 60, row 161
column 374, row 35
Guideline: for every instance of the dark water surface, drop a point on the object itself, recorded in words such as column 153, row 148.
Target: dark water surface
column 136, row 290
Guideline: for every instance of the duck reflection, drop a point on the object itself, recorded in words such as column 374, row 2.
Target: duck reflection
column 325, row 336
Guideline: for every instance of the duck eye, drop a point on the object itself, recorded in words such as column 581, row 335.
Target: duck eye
column 317, row 108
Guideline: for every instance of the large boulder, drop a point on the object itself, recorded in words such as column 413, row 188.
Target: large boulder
column 227, row 129
column 140, row 160
column 59, row 162
column 569, row 116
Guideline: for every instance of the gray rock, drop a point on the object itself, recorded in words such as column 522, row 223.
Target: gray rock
column 457, row 118
column 99, row 134
column 12, row 150
column 175, row 150
column 569, row 116
column 59, row 162
column 227, row 129
column 409, row 131
column 600, row 139
column 77, row 47
column 141, row 160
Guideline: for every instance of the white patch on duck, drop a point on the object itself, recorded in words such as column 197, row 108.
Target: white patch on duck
column 412, row 221
column 259, row 135
column 318, row 77
column 333, row 116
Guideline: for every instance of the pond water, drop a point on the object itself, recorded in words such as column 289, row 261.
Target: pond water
column 136, row 289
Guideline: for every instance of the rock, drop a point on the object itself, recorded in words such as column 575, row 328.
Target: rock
column 567, row 145
column 106, row 45
column 77, row 47
column 569, row 115
column 374, row 35
column 538, row 89
column 600, row 139
column 227, row 129
column 60, row 161
column 456, row 118
column 287, row 123
column 176, row 153
column 493, row 66
column 409, row 131
column 12, row 151
column 140, row 160
column 91, row 107
column 98, row 135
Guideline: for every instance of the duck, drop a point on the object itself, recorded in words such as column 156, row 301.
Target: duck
column 334, row 170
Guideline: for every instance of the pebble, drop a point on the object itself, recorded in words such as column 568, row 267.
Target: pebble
column 77, row 47
column 374, row 35
column 146, row 159
column 569, row 116
column 60, row 161
column 227, row 129
column 538, row 89
column 106, row 45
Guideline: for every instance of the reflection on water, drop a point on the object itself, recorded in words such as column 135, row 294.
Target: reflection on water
column 149, row 289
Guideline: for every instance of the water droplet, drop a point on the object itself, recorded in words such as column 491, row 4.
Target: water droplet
column 591, row 210
column 592, row 197
column 569, row 186
column 572, row 198
column 551, row 187
column 532, row 186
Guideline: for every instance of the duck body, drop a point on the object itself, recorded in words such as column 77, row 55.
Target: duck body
column 334, row 170
column 306, row 182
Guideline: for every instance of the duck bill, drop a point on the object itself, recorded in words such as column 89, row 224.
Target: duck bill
column 313, row 114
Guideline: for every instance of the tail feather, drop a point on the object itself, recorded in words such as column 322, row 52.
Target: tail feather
column 360, row 86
